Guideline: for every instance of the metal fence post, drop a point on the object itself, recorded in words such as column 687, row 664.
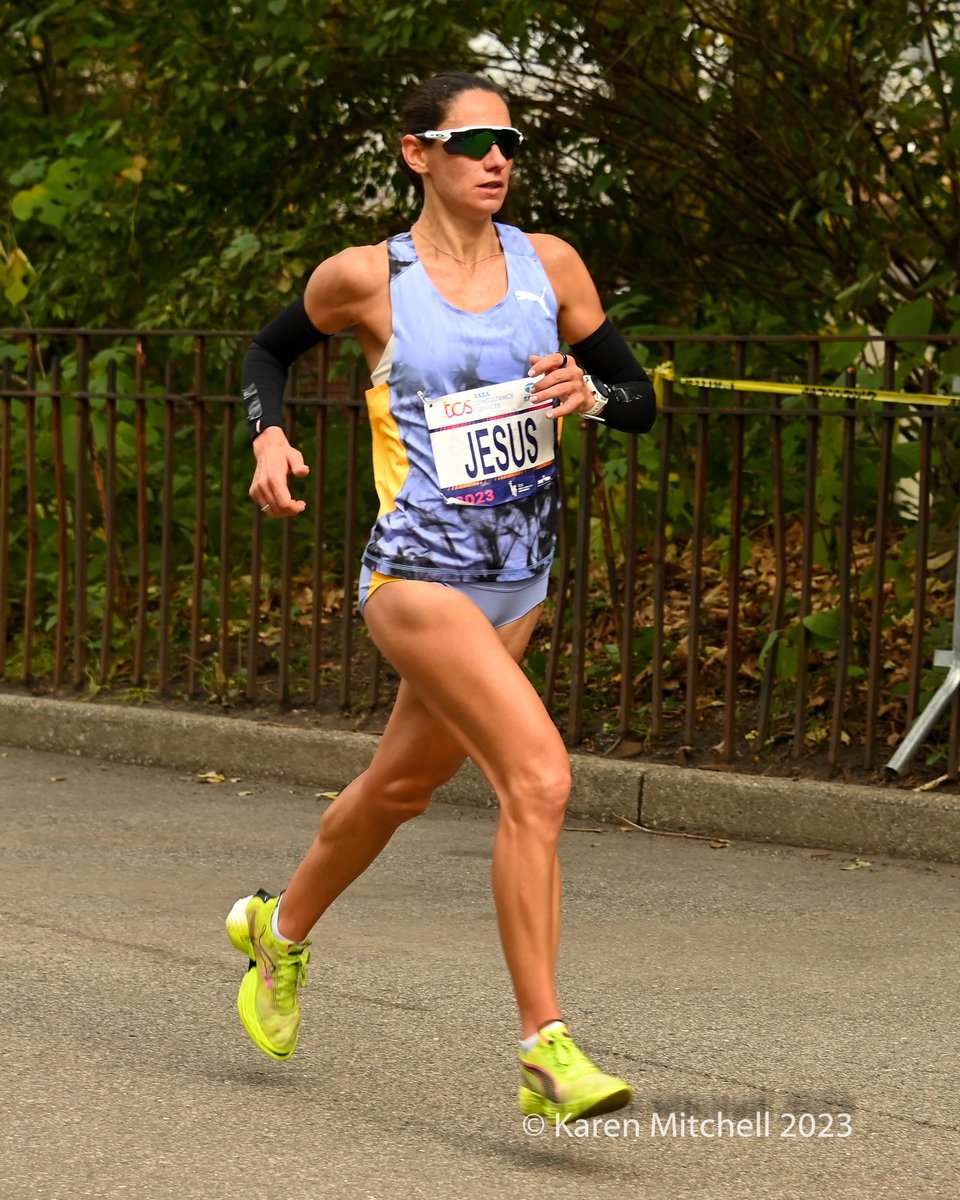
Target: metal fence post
column 950, row 659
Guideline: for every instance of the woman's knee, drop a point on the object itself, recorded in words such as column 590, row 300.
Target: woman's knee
column 538, row 795
column 400, row 798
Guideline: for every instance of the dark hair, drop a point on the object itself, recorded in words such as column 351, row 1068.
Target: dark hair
column 428, row 105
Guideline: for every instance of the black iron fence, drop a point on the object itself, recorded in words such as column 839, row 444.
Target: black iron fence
column 762, row 581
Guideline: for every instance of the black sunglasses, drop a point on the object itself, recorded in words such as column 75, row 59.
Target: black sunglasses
column 476, row 142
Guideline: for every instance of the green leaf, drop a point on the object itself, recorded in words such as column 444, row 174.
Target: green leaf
column 911, row 319
column 772, row 639
column 50, row 201
column 39, row 202
column 824, row 625
column 243, row 247
column 13, row 275
column 16, row 291
column 24, row 203
column 950, row 361
column 16, row 355
column 863, row 292
column 30, row 172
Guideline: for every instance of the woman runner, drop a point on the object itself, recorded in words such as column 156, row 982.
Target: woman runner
column 460, row 321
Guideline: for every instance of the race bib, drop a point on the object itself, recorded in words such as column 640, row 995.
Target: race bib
column 493, row 444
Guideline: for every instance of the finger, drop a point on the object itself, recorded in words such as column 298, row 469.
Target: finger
column 295, row 464
column 555, row 389
column 562, row 410
column 567, row 407
column 559, row 382
column 561, row 390
column 542, row 363
column 276, row 494
column 288, row 507
column 556, row 360
column 293, row 509
column 281, row 510
column 270, row 489
column 287, row 504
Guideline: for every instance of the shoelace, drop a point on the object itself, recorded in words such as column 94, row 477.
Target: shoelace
column 290, row 974
column 569, row 1055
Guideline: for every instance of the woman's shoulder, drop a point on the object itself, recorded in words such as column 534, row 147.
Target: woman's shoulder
column 359, row 269
column 565, row 268
column 342, row 286
column 553, row 251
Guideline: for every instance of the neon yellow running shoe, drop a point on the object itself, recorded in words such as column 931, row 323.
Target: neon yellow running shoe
column 560, row 1083
column 267, row 1001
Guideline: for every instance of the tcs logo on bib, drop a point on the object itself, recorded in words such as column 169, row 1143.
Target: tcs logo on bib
column 457, row 408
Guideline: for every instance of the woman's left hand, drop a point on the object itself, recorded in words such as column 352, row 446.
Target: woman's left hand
column 562, row 382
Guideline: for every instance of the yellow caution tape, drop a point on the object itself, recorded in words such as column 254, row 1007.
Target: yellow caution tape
column 666, row 371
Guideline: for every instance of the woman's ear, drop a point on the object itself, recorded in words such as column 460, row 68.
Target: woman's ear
column 414, row 154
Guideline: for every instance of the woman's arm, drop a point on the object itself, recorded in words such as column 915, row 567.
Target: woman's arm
column 614, row 389
column 343, row 292
column 337, row 297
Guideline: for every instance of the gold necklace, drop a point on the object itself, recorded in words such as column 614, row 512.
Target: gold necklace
column 471, row 262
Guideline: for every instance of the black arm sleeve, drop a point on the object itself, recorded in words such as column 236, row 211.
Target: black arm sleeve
column 606, row 357
column 265, row 365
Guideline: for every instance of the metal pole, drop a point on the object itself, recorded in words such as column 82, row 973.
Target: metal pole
column 941, row 698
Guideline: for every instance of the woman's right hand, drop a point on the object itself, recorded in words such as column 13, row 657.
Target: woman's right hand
column 277, row 460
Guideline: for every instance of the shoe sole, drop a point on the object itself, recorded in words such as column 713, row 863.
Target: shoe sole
column 533, row 1104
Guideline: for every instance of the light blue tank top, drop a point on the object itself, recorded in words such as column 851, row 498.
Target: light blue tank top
column 438, row 350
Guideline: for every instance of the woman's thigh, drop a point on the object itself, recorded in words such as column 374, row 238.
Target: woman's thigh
column 418, row 752
column 467, row 683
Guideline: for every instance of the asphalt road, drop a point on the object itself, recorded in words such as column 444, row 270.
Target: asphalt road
column 737, row 981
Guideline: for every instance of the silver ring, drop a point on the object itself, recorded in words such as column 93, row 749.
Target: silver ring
column 265, row 508
column 563, row 363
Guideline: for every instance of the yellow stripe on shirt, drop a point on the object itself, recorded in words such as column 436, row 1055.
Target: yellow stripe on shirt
column 390, row 463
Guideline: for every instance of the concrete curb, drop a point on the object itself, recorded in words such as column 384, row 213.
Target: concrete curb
column 321, row 758
column 797, row 812
column 853, row 818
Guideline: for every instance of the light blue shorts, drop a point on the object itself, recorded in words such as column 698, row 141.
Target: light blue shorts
column 500, row 603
